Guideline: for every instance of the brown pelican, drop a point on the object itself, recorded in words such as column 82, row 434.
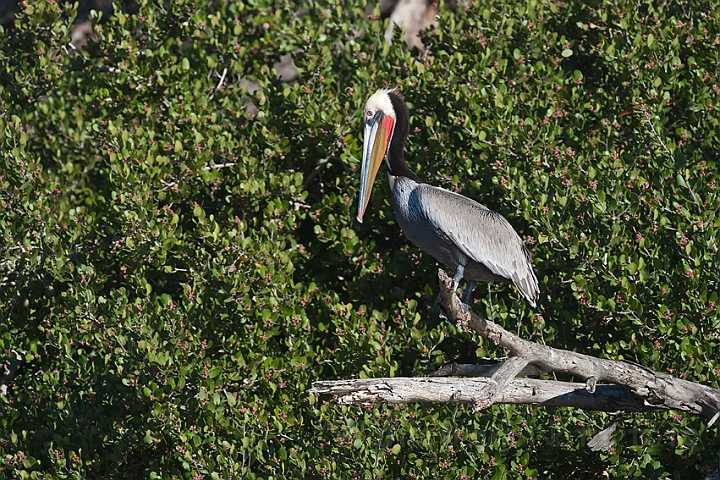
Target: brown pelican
column 479, row 244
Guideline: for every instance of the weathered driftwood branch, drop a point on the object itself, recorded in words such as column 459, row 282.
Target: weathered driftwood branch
column 632, row 387
column 656, row 390
column 476, row 370
column 608, row 398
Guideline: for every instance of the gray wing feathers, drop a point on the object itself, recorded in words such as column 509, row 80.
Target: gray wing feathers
column 481, row 234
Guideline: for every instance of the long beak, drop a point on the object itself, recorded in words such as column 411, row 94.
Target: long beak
column 377, row 136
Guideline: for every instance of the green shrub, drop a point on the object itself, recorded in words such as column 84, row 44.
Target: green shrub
column 174, row 273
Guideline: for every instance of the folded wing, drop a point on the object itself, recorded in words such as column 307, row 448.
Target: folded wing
column 481, row 234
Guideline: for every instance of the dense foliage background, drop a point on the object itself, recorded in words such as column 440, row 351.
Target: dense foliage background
column 175, row 272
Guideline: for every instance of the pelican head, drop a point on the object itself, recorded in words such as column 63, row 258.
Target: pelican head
column 379, row 120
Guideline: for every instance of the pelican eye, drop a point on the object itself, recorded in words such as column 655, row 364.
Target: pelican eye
column 369, row 114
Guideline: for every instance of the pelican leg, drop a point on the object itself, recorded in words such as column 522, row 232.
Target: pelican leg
column 468, row 293
column 459, row 273
column 492, row 312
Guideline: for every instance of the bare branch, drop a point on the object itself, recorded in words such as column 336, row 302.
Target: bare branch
column 472, row 370
column 608, row 398
column 612, row 386
column 222, row 79
column 218, row 166
column 657, row 390
column 603, row 439
column 497, row 382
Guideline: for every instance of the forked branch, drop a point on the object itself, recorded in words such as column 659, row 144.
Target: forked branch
column 616, row 386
